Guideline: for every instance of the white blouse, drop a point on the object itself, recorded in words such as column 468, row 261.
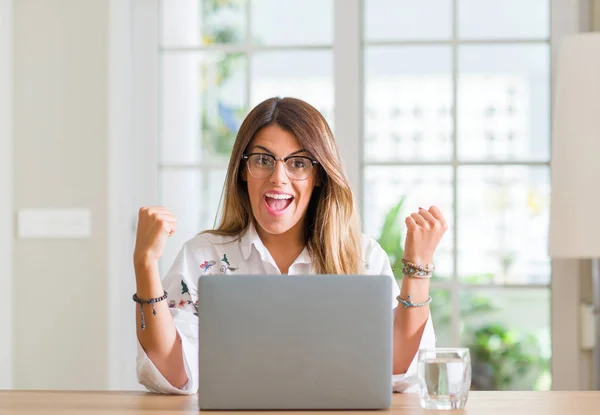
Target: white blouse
column 212, row 254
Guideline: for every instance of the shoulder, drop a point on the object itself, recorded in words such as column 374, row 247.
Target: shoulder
column 208, row 241
column 377, row 262
column 373, row 255
column 205, row 253
column 370, row 246
column 207, row 248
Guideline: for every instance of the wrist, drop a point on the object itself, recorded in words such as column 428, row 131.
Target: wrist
column 147, row 279
column 418, row 260
column 143, row 261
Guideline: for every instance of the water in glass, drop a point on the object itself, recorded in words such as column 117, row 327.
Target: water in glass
column 444, row 378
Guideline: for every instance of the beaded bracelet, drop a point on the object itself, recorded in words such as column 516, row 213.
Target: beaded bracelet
column 426, row 267
column 409, row 303
column 411, row 272
column 151, row 302
column 417, row 271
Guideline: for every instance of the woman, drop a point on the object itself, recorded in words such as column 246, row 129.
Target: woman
column 287, row 209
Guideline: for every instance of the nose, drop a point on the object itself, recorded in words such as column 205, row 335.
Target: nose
column 279, row 175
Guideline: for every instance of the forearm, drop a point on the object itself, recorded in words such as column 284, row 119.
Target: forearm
column 409, row 323
column 159, row 339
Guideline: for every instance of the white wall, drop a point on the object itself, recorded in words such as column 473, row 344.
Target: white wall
column 6, row 202
column 61, row 298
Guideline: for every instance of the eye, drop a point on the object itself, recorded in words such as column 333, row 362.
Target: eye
column 262, row 160
column 299, row 163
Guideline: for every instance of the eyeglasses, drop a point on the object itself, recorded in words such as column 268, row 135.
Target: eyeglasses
column 261, row 165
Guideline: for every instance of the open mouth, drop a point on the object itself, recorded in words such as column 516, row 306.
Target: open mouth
column 277, row 203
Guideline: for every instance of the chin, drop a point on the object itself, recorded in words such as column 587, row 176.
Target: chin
column 275, row 227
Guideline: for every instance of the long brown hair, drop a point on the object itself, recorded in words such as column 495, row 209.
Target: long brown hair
column 333, row 233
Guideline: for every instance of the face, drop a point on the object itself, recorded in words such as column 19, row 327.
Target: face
column 279, row 204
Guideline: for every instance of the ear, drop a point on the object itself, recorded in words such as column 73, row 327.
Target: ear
column 318, row 181
column 244, row 174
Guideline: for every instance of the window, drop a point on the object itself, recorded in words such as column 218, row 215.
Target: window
column 457, row 114
column 455, row 98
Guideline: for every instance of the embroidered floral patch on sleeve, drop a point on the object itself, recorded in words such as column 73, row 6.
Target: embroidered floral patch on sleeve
column 184, row 288
column 183, row 302
column 226, row 265
column 193, row 296
column 205, row 266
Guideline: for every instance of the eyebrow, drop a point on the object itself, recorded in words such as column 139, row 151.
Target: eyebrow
column 271, row 153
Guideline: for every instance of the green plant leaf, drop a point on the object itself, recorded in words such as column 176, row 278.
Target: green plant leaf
column 391, row 237
column 391, row 232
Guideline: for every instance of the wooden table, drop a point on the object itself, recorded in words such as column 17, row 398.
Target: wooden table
column 120, row 403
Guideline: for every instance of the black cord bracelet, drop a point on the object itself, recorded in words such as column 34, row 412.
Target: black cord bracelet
column 151, row 302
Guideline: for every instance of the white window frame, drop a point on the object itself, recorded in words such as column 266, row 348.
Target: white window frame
column 122, row 202
column 6, row 192
column 567, row 16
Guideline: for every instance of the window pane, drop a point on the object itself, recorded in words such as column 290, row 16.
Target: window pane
column 408, row 109
column 384, row 187
column 508, row 334
column 504, row 19
column 180, row 192
column 202, row 22
column 408, row 19
column 307, row 75
column 504, row 102
column 503, row 216
column 292, row 22
column 441, row 315
column 203, row 105
column 215, row 186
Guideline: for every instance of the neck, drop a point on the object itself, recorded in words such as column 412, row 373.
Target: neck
column 284, row 247
column 293, row 238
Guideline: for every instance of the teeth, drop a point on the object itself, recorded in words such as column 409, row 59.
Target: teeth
column 278, row 196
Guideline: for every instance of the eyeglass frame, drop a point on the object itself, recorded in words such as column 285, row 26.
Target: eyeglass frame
column 246, row 156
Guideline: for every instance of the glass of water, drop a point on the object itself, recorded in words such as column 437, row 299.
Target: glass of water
column 444, row 377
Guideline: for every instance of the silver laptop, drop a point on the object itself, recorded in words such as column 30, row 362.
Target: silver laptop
column 295, row 342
